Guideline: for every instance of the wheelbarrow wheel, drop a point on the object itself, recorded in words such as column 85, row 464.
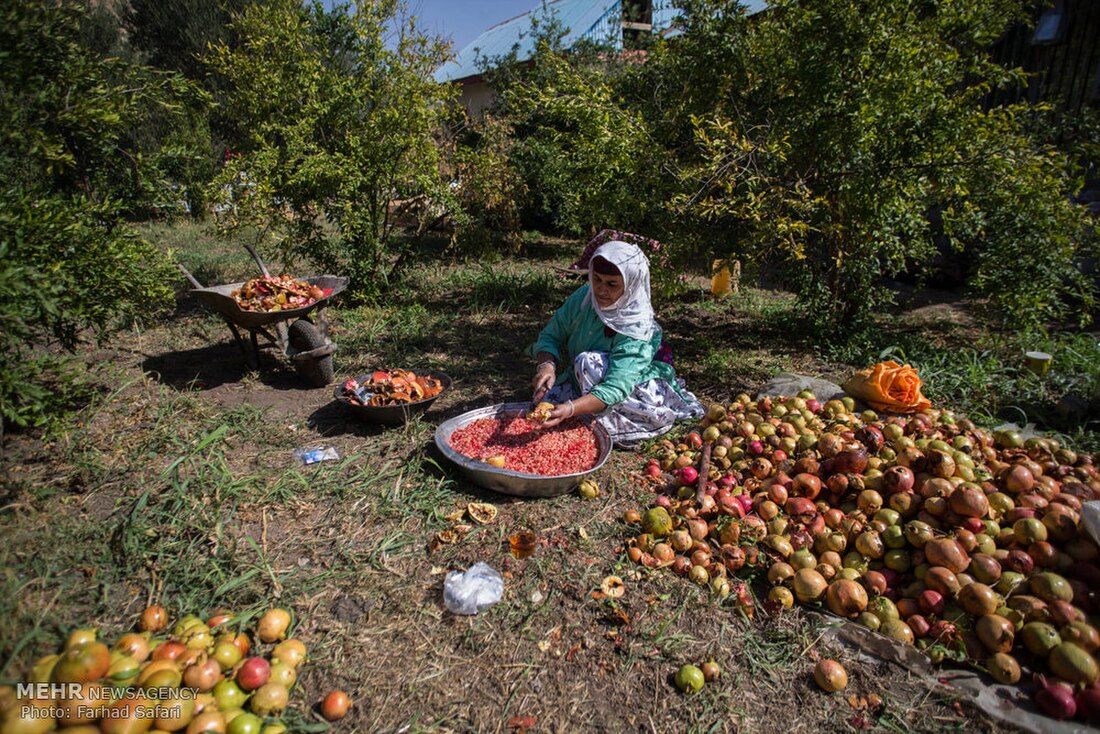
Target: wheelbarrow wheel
column 304, row 337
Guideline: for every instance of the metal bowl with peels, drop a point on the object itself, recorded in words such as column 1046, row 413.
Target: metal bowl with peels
column 391, row 415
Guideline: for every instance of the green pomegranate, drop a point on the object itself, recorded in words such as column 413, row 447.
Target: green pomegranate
column 1004, row 668
column 808, row 585
column 883, row 608
column 1071, row 662
column 995, row 632
column 1050, row 587
column 656, row 522
column 898, row 630
column 869, row 621
column 1040, row 638
column 690, row 679
column 1082, row 634
column 1009, row 582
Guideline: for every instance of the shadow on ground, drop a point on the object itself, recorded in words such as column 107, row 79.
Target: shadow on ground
column 335, row 419
column 216, row 365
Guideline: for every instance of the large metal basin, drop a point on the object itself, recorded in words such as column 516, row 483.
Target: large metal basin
column 507, row 481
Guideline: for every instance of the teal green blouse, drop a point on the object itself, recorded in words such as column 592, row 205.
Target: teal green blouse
column 575, row 327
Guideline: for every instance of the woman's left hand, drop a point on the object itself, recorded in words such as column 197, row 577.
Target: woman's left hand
column 584, row 405
column 560, row 413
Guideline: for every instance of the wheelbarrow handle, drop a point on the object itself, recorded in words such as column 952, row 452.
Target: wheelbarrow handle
column 255, row 256
column 190, row 277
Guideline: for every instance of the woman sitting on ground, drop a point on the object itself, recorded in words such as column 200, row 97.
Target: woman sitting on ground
column 602, row 353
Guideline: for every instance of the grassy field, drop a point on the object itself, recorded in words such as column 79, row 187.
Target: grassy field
column 176, row 483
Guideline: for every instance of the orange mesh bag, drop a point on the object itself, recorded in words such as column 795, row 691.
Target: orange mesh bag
column 890, row 387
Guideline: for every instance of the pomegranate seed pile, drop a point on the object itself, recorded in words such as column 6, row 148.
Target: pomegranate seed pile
column 568, row 448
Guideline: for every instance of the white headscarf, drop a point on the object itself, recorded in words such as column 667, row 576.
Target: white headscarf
column 632, row 314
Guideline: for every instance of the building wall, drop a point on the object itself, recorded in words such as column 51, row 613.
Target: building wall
column 1065, row 72
column 476, row 96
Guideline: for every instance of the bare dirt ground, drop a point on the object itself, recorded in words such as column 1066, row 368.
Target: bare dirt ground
column 176, row 484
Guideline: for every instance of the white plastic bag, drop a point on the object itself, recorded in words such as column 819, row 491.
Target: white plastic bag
column 473, row 590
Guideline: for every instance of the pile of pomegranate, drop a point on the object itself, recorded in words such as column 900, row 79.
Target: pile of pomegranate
column 925, row 528
column 195, row 676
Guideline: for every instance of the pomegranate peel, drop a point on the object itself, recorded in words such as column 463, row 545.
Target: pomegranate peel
column 613, row 587
column 482, row 513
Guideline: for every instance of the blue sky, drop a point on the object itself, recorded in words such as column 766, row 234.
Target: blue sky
column 463, row 20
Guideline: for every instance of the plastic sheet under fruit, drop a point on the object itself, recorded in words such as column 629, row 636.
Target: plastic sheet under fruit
column 1026, row 431
column 1006, row 704
column 1090, row 519
column 788, row 384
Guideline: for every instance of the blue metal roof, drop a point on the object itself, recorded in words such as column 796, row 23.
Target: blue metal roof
column 594, row 20
column 578, row 16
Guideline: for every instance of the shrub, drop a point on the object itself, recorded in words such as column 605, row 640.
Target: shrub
column 335, row 125
column 78, row 121
column 72, row 161
column 66, row 267
column 846, row 125
column 587, row 160
column 489, row 192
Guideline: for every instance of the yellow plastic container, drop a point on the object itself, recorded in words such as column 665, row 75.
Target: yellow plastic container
column 721, row 280
column 1037, row 362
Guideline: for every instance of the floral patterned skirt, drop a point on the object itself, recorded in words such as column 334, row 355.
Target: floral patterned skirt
column 650, row 410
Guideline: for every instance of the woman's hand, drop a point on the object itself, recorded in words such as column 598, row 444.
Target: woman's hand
column 560, row 412
column 583, row 405
column 543, row 381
